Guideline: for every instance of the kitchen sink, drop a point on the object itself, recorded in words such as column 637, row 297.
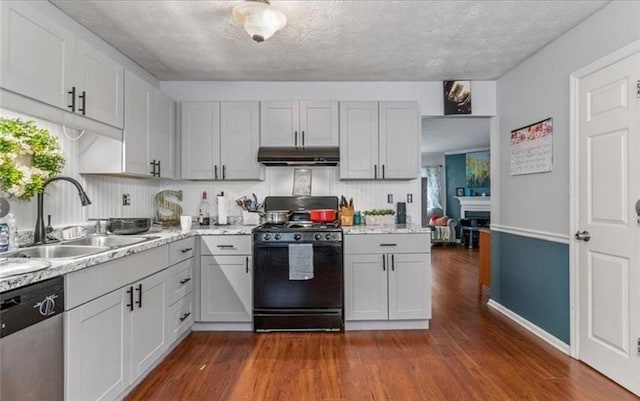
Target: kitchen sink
column 111, row 241
column 56, row 251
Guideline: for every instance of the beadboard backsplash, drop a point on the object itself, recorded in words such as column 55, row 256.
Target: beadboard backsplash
column 61, row 199
column 105, row 192
column 279, row 181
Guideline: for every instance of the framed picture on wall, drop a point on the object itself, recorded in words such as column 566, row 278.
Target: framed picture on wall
column 457, row 97
column 460, row 191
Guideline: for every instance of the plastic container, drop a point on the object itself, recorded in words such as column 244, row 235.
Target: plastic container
column 4, row 237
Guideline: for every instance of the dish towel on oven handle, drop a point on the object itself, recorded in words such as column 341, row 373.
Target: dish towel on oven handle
column 300, row 261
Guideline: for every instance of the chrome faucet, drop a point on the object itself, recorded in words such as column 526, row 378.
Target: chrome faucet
column 39, row 235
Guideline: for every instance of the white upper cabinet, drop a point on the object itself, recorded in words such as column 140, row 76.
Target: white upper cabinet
column 279, row 122
column 239, row 140
column 45, row 61
column 137, row 100
column 399, row 139
column 220, row 141
column 200, row 139
column 99, row 85
column 37, row 55
column 379, row 140
column 162, row 134
column 358, row 140
column 299, row 123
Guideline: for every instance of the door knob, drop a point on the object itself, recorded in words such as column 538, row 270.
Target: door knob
column 583, row 236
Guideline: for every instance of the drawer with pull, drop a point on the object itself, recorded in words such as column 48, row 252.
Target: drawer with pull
column 387, row 243
column 180, row 280
column 181, row 250
column 181, row 317
column 226, row 245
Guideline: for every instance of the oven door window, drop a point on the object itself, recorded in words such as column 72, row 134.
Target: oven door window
column 272, row 288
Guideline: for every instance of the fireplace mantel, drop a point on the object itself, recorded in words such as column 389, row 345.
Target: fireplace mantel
column 474, row 203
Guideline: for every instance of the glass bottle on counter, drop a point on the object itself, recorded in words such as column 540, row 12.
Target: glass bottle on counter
column 203, row 211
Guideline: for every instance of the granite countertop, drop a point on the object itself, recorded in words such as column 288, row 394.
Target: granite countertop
column 61, row 267
column 394, row 229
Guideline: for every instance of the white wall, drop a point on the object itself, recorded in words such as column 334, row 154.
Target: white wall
column 61, row 199
column 428, row 94
column 324, row 181
column 538, row 88
column 432, row 159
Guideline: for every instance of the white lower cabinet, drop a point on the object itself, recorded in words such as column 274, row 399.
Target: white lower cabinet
column 225, row 292
column 148, row 321
column 114, row 339
column 97, row 348
column 382, row 285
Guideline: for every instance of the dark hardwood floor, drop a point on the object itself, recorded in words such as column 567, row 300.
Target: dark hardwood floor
column 470, row 353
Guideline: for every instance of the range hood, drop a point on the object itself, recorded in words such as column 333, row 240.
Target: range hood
column 285, row 156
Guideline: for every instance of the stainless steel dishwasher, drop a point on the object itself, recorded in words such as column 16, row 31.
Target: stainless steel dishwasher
column 31, row 342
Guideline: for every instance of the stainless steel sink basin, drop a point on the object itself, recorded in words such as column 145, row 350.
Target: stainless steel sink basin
column 56, row 251
column 111, row 241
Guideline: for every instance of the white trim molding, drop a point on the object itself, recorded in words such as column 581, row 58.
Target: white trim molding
column 544, row 335
column 526, row 232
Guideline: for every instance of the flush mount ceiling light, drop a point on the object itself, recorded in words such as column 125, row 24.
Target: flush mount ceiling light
column 259, row 19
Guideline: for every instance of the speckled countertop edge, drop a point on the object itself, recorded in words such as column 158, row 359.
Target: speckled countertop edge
column 62, row 267
column 66, row 266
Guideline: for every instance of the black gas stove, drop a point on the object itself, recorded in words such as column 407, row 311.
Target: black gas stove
column 283, row 299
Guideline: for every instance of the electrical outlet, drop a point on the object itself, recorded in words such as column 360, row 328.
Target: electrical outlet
column 126, row 200
column 389, row 198
column 409, row 198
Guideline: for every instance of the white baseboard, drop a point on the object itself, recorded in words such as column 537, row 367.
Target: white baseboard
column 386, row 325
column 226, row 326
column 552, row 340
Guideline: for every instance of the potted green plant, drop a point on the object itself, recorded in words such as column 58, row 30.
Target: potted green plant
column 29, row 155
column 379, row 217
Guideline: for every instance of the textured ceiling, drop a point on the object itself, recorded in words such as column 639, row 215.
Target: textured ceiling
column 449, row 134
column 332, row 40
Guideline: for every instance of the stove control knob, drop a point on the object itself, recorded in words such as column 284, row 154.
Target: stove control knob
column 297, row 236
column 327, row 236
column 267, row 237
column 317, row 236
column 277, row 236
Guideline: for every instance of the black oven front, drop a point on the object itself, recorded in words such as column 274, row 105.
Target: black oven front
column 283, row 304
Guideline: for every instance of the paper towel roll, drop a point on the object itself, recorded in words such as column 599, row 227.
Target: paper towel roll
column 223, row 209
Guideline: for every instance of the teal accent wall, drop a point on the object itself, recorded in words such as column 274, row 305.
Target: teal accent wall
column 531, row 277
column 456, row 176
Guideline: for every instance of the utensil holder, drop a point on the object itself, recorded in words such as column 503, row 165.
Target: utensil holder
column 250, row 218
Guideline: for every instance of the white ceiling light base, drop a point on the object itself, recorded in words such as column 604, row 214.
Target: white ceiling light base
column 259, row 19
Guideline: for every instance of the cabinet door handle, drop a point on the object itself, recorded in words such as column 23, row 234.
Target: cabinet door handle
column 185, row 281
column 388, row 244
column 139, row 301
column 224, row 171
column 295, row 138
column 153, row 166
column 384, row 263
column 158, row 173
column 375, row 171
column 226, row 246
column 130, row 304
column 84, row 102
column 72, row 92
column 185, row 250
column 215, row 172
column 185, row 316
column 393, row 263
column 303, row 139
column 247, row 265
column 383, row 171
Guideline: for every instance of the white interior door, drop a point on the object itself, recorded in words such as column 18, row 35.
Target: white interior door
column 609, row 186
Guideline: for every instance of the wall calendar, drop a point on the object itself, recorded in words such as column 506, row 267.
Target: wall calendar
column 532, row 148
